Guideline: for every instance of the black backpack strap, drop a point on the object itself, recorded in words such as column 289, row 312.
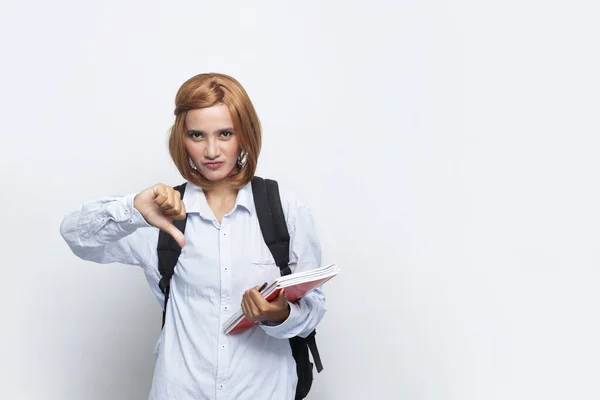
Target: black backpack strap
column 312, row 345
column 274, row 229
column 168, row 253
column 272, row 221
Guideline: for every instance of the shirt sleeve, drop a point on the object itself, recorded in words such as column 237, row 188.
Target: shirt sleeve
column 111, row 230
column 305, row 254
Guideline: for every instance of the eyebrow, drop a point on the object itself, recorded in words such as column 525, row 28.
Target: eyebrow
column 204, row 133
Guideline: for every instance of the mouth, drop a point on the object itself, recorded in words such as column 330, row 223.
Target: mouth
column 214, row 165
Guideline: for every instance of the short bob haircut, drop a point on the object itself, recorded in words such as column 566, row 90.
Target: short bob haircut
column 207, row 90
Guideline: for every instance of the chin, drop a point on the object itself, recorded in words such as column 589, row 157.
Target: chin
column 215, row 176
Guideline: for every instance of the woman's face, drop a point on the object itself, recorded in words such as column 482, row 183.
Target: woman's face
column 211, row 142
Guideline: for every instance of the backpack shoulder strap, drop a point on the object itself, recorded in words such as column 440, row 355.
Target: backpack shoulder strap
column 168, row 254
column 272, row 221
column 274, row 229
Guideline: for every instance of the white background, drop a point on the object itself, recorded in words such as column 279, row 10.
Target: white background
column 449, row 151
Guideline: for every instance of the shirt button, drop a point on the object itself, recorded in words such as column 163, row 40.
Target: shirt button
column 225, row 308
column 226, row 269
column 223, row 347
column 221, row 387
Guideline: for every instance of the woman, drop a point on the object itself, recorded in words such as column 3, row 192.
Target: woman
column 215, row 143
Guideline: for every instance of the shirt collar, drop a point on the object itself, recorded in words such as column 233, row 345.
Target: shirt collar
column 195, row 200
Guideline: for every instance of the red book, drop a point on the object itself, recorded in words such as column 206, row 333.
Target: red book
column 295, row 285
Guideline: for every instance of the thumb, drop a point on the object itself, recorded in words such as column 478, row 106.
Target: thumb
column 282, row 298
column 174, row 232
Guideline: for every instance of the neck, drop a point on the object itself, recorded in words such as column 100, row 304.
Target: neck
column 221, row 191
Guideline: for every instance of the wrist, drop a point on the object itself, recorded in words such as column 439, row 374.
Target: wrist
column 283, row 314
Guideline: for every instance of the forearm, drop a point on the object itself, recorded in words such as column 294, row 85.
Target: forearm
column 98, row 231
column 304, row 316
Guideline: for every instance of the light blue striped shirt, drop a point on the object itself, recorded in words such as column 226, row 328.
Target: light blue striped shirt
column 194, row 358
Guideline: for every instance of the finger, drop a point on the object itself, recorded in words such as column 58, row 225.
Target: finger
column 174, row 232
column 178, row 210
column 282, row 299
column 179, row 206
column 247, row 299
column 259, row 302
column 282, row 295
column 183, row 213
column 251, row 304
column 160, row 194
column 257, row 298
column 175, row 210
column 247, row 309
column 170, row 202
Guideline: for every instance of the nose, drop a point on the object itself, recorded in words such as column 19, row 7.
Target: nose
column 211, row 151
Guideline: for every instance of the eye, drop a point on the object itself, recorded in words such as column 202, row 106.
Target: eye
column 226, row 133
column 195, row 134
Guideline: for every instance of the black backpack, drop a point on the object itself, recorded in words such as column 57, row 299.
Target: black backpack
column 274, row 229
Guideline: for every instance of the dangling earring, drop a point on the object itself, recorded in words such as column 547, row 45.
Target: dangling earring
column 242, row 158
column 192, row 164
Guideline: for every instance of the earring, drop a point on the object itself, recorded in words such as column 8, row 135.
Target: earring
column 192, row 163
column 242, row 158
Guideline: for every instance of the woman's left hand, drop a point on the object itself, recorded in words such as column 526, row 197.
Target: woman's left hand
column 257, row 309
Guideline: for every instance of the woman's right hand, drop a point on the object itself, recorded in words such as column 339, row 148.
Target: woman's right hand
column 160, row 205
